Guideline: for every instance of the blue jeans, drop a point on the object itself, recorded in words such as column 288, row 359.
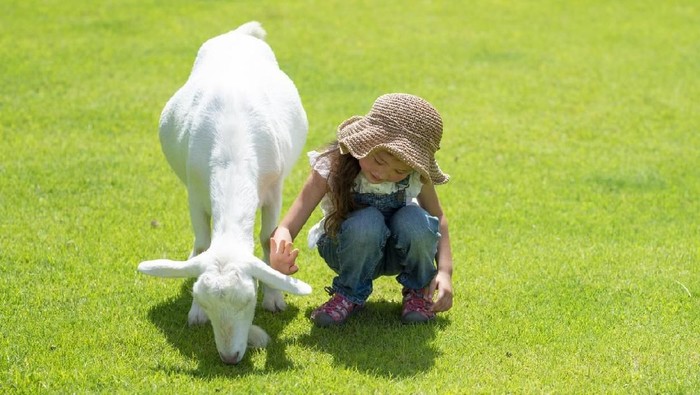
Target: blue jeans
column 375, row 242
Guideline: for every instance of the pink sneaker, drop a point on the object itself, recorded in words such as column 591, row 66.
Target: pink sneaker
column 416, row 307
column 335, row 311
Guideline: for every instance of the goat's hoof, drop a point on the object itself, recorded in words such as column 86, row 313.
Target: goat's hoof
column 274, row 302
column 257, row 337
column 196, row 316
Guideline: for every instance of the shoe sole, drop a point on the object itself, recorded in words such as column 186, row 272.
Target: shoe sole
column 415, row 317
column 324, row 320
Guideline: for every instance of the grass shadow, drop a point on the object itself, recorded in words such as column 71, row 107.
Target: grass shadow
column 197, row 342
column 373, row 341
column 376, row 342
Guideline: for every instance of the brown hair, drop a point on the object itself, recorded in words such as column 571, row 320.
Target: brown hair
column 344, row 170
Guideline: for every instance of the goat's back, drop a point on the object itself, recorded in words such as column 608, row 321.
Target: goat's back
column 236, row 108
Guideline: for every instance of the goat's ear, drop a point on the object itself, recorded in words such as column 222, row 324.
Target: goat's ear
column 277, row 280
column 175, row 269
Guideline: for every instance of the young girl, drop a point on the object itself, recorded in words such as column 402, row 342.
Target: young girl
column 382, row 215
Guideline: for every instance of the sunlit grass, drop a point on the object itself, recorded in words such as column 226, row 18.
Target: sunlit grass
column 571, row 136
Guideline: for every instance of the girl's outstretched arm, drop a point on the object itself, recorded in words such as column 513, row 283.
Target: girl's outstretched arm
column 442, row 283
column 282, row 252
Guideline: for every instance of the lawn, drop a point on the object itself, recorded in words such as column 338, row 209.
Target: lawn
column 572, row 137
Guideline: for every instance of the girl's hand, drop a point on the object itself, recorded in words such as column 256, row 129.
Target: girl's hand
column 442, row 283
column 283, row 256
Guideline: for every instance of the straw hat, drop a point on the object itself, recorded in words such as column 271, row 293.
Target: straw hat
column 404, row 125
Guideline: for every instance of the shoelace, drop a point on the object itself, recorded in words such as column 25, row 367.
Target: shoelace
column 416, row 301
column 338, row 305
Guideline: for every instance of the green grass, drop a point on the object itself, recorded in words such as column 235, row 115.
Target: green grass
column 571, row 135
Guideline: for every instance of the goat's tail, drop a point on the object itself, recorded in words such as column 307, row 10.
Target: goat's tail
column 252, row 28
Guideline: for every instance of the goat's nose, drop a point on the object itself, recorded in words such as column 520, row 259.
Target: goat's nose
column 230, row 359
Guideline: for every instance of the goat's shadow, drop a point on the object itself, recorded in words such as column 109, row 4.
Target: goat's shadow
column 372, row 341
column 197, row 342
column 376, row 342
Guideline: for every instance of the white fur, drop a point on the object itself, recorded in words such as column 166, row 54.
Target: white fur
column 232, row 133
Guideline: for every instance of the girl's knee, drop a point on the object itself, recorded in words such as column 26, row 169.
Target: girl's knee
column 414, row 217
column 365, row 227
column 413, row 223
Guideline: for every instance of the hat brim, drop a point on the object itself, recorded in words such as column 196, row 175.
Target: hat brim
column 357, row 136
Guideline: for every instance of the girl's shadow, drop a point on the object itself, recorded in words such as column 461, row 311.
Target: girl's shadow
column 375, row 341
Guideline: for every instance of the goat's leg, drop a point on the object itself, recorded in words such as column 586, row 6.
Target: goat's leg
column 201, row 225
column 257, row 337
column 273, row 300
column 202, row 239
column 196, row 316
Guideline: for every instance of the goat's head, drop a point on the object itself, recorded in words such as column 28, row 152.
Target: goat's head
column 227, row 296
column 226, row 290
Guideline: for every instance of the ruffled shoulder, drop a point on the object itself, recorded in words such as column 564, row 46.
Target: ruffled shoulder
column 415, row 185
column 320, row 163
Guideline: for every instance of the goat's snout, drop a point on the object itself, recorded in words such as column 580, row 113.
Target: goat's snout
column 230, row 359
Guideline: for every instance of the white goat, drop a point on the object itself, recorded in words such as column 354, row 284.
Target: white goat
column 232, row 133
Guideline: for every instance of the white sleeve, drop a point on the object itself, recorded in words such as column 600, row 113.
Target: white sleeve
column 321, row 164
column 415, row 185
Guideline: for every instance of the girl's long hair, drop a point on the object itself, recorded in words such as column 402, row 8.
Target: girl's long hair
column 344, row 169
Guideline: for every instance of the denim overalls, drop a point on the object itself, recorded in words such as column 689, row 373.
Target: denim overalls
column 386, row 237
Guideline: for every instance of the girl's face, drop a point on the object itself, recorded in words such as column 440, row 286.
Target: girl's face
column 382, row 166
